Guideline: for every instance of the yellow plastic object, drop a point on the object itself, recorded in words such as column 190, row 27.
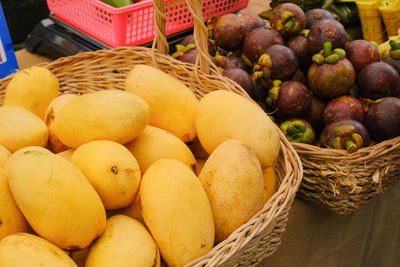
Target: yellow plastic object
column 390, row 12
column 371, row 22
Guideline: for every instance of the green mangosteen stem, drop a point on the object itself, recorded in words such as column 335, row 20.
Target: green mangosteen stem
column 332, row 59
column 318, row 58
column 340, row 52
column 289, row 24
column 350, row 146
column 394, row 45
column 327, row 49
column 180, row 50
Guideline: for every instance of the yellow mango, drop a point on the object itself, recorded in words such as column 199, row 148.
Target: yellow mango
column 54, row 107
column 111, row 169
column 11, row 218
column 22, row 151
column 155, row 143
column 113, row 115
column 270, row 184
column 67, row 154
column 56, row 199
column 177, row 212
column 125, row 242
column 171, row 102
column 223, row 115
column 25, row 249
column 21, row 128
column 233, row 180
column 32, row 88
column 4, row 155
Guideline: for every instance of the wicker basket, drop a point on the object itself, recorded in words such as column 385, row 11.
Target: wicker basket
column 107, row 69
column 343, row 182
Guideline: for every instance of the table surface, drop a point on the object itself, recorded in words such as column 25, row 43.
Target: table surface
column 369, row 237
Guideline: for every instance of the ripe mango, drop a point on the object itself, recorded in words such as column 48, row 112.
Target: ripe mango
column 155, row 143
column 270, row 184
column 55, row 105
column 25, row 249
column 125, row 242
column 223, row 115
column 111, row 169
column 177, row 211
column 56, row 199
column 32, row 88
column 21, row 128
column 113, row 115
column 4, row 155
column 171, row 102
column 233, row 180
column 67, row 154
column 11, row 218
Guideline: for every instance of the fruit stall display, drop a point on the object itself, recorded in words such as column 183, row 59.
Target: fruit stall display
column 128, row 157
column 336, row 100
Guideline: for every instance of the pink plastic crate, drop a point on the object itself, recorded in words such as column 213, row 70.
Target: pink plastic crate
column 133, row 24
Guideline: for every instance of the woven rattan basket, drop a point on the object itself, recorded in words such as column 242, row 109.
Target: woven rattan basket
column 107, row 69
column 343, row 182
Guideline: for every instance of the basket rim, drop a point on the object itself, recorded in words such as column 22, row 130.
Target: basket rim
column 360, row 155
column 278, row 204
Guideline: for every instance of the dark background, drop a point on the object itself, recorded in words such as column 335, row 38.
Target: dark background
column 22, row 16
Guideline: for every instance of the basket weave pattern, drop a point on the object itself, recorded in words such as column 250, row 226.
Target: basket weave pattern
column 343, row 182
column 107, row 69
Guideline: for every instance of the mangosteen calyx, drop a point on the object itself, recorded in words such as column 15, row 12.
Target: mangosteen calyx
column 395, row 50
column 347, row 138
column 288, row 23
column 181, row 49
column 296, row 131
column 273, row 93
column 328, row 56
column 261, row 70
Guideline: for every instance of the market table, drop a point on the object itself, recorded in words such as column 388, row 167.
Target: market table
column 317, row 237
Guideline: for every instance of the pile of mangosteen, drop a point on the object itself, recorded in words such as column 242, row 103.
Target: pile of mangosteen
column 320, row 88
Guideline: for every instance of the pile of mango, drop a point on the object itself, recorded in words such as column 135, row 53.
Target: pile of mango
column 135, row 177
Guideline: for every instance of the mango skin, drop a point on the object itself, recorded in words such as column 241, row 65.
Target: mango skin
column 270, row 184
column 4, row 155
column 177, row 212
column 21, row 128
column 56, row 199
column 32, row 88
column 171, row 102
column 233, row 180
column 125, row 242
column 11, row 218
column 113, row 115
column 223, row 115
column 155, row 143
column 52, row 110
column 25, row 249
column 112, row 170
